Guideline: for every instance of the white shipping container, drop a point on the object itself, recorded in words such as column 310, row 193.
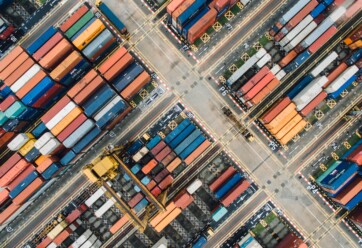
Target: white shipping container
column 308, row 29
column 280, row 74
column 89, row 242
column 137, row 157
column 245, row 67
column 18, row 142
column 293, row 11
column 296, row 30
column 82, row 239
column 324, row 64
column 78, row 133
column 43, row 140
column 104, row 208
column 195, row 185
column 309, row 92
column 276, row 68
column 265, row 59
column 50, row 147
column 106, row 108
column 96, row 195
column 60, row 115
column 25, row 78
column 341, row 79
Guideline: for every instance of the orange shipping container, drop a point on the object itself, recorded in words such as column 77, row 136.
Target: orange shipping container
column 81, row 84
column 28, row 191
column 88, row 90
column 290, row 135
column 197, row 152
column 9, row 211
column 119, row 224
column 284, row 113
column 335, row 73
column 10, row 57
column 166, row 221
column 56, row 55
column 66, row 121
column 161, row 215
column 174, row 164
column 13, row 172
column 66, row 66
column 19, row 72
column 288, row 58
column 349, row 192
column 30, row 84
column 111, row 60
column 201, row 26
column 149, row 166
column 289, row 126
column 118, row 67
column 13, row 65
column 171, row 7
column 275, row 110
column 274, row 130
column 136, row 85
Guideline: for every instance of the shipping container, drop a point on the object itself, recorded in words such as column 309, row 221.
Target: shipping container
column 197, row 152
column 44, row 37
column 112, row 18
column 56, row 55
column 73, row 29
column 28, row 191
column 219, row 213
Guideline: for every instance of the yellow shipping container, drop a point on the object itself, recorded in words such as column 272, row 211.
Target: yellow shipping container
column 285, row 112
column 288, row 126
column 290, row 135
column 104, row 165
column 89, row 34
column 283, row 122
column 27, row 147
column 57, row 229
column 66, row 121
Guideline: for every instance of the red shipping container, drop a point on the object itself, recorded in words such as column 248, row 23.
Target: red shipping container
column 12, row 55
column 156, row 191
column 117, row 55
column 19, row 72
column 30, row 84
column 47, row 46
column 151, row 184
column 28, row 191
column 81, row 84
column 14, row 172
column 149, row 166
column 48, row 96
column 71, row 127
column 301, row 14
column 73, row 18
column 76, row 213
column 168, row 159
column 235, row 193
column 322, row 39
column 55, row 109
column 135, row 199
column 118, row 67
column 314, row 103
column 162, row 154
column 9, row 100
column 167, row 181
column 158, row 147
column 254, row 80
column 259, row 86
column 21, row 177
column 161, row 175
column 90, row 89
column 356, row 156
column 4, row 195
column 8, row 212
column 201, row 26
column 62, row 236
column 222, row 178
column 275, row 110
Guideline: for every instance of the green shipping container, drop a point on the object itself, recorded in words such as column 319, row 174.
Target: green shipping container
column 79, row 24
column 3, row 118
column 15, row 110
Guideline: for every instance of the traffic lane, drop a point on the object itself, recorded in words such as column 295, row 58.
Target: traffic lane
column 228, row 45
column 182, row 79
column 333, row 238
column 236, row 220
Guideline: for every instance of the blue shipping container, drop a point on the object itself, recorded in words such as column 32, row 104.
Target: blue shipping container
column 127, row 76
column 112, row 17
column 68, row 157
column 189, row 13
column 135, row 147
column 228, row 185
column 348, row 83
column 32, row 155
column 195, row 144
column 51, row 171
column 219, row 213
column 354, row 202
column 141, row 205
column 185, row 30
column 339, row 175
column 98, row 100
column 200, row 242
column 153, row 142
column 75, row 36
column 136, row 168
column 317, row 10
column 86, row 140
column 177, row 131
column 44, row 37
column 39, row 130
column 114, row 112
column 297, row 61
column 38, row 91
column 23, row 184
column 186, row 142
column 186, row 132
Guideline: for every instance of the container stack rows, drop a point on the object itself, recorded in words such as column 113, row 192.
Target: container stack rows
column 342, row 181
column 299, row 33
column 191, row 18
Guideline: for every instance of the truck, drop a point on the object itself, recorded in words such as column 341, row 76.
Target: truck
column 241, row 127
column 112, row 17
